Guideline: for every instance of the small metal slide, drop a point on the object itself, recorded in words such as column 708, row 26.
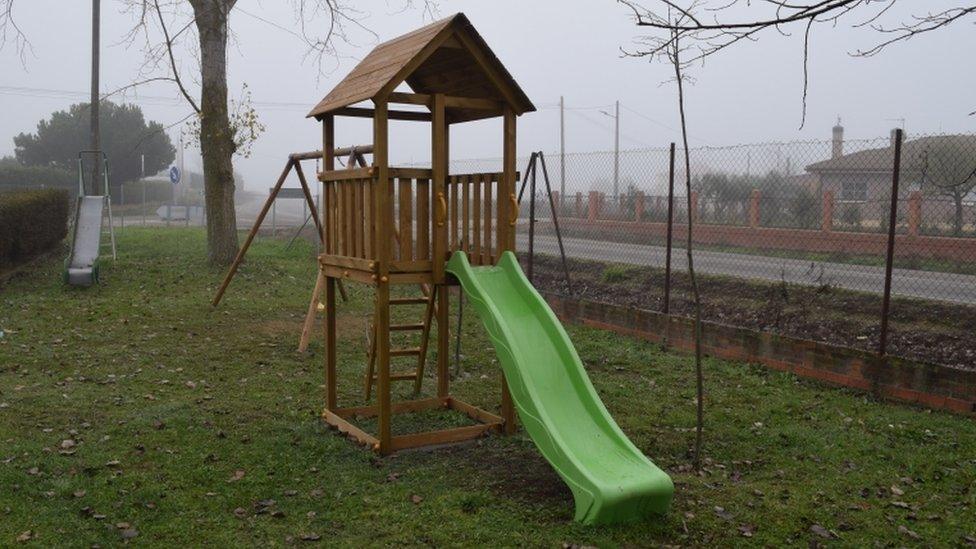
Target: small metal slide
column 81, row 268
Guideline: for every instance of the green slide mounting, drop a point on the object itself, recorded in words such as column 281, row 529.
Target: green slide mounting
column 611, row 480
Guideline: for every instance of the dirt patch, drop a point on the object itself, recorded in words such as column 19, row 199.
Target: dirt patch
column 929, row 331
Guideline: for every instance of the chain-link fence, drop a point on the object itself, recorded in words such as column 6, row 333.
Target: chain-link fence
column 788, row 237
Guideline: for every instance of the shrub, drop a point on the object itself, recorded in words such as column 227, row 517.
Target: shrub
column 16, row 176
column 31, row 222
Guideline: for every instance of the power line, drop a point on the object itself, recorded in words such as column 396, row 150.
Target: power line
column 140, row 98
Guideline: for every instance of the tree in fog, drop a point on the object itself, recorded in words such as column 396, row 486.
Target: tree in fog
column 947, row 168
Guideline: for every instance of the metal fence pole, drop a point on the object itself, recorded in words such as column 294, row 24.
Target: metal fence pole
column 892, row 223
column 532, row 217
column 667, row 258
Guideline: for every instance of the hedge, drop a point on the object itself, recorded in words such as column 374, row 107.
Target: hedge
column 31, row 222
column 15, row 176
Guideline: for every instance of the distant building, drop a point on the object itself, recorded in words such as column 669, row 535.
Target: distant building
column 863, row 178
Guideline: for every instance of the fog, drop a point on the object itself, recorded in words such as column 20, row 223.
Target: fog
column 749, row 93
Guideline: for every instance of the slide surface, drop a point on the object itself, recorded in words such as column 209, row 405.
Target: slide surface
column 612, row 480
column 82, row 265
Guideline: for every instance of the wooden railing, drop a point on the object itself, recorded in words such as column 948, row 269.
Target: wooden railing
column 472, row 208
column 466, row 213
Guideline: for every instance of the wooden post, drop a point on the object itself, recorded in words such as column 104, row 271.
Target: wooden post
column 382, row 218
column 506, row 231
column 507, row 203
column 592, row 206
column 329, row 325
column 439, row 167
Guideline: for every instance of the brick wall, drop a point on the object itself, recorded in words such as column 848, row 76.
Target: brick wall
column 899, row 379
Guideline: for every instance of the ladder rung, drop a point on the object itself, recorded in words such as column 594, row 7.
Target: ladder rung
column 405, row 352
column 399, row 377
column 407, row 300
column 406, row 327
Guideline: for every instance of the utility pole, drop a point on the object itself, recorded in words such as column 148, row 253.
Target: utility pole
column 562, row 152
column 96, row 145
column 616, row 149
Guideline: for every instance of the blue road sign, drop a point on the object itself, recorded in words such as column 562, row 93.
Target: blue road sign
column 174, row 175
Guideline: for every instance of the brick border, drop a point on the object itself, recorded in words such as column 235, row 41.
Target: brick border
column 900, row 379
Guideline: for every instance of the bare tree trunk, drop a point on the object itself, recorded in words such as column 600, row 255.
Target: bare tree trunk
column 699, row 376
column 216, row 136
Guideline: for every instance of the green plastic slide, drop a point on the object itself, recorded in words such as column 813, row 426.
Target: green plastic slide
column 611, row 480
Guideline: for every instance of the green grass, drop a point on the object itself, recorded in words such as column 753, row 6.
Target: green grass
column 184, row 418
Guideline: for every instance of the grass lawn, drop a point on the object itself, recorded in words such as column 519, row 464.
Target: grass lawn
column 133, row 412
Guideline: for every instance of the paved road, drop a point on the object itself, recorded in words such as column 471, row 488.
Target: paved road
column 956, row 288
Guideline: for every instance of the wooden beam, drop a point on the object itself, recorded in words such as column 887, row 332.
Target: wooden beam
column 348, row 428
column 403, row 407
column 451, row 102
column 365, row 112
column 310, row 314
column 444, row 436
column 250, row 236
column 345, row 175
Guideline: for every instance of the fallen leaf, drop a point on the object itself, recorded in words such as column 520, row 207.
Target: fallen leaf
column 123, row 525
column 747, row 530
column 240, row 512
column 900, row 505
column 310, row 537
column 416, row 499
column 68, row 444
column 26, row 535
column 722, row 513
column 909, row 533
column 79, row 493
column 897, row 491
column 238, row 475
column 129, row 533
column 820, row 531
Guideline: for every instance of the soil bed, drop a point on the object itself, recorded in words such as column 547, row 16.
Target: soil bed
column 929, row 331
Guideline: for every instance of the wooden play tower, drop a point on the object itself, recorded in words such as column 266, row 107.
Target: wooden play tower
column 384, row 225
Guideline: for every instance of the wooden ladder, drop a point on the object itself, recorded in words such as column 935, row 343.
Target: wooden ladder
column 420, row 351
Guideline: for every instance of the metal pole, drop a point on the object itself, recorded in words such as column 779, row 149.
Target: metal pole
column 143, row 190
column 667, row 257
column 555, row 222
column 616, row 150
column 96, row 145
column 186, row 195
column 892, row 222
column 122, row 203
column 532, row 217
column 562, row 152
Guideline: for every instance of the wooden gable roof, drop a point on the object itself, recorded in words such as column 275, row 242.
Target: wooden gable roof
column 447, row 56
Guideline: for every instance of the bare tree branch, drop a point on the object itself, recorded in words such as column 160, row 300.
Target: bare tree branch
column 721, row 32
column 11, row 31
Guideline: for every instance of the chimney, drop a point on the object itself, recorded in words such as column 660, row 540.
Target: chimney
column 838, row 144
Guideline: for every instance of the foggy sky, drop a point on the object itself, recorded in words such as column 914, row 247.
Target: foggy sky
column 750, row 93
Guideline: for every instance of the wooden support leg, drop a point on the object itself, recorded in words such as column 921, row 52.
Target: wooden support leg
column 443, row 341
column 330, row 343
column 310, row 314
column 508, row 409
column 382, row 338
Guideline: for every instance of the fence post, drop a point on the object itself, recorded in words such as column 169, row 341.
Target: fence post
column 892, row 222
column 827, row 216
column 667, row 257
column 914, row 212
column 754, row 209
column 694, row 206
column 593, row 206
column 639, row 206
